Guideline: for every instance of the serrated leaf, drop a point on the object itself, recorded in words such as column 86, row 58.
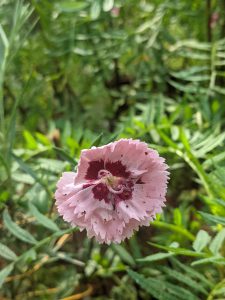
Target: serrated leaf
column 191, row 44
column 194, row 78
column 201, row 241
column 5, row 272
column 211, row 143
column 217, row 242
column 219, row 90
column 192, row 272
column 144, row 283
column 108, row 5
column 188, row 88
column 42, row 219
column 183, row 74
column 219, row 173
column 52, row 165
column 214, row 160
column 185, row 279
column 162, row 290
column 7, row 253
column 194, row 55
column 178, row 292
column 17, row 231
column 23, row 178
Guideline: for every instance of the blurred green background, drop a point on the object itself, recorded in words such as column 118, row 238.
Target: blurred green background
column 74, row 74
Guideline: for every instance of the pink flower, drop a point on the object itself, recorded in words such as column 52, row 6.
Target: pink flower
column 117, row 188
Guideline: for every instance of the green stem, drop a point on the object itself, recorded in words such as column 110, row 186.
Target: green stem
column 217, row 287
column 2, row 75
column 174, row 228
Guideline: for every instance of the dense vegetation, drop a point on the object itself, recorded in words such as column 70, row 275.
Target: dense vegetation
column 79, row 73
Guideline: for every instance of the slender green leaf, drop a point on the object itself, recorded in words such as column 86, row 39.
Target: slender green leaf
column 5, row 164
column 155, row 257
column 220, row 202
column 108, row 5
column 5, row 272
column 215, row 159
column 201, row 241
column 217, row 242
column 42, row 219
column 82, row 51
column 52, row 165
column 213, row 219
column 95, row 9
column 70, row 6
column 194, row 44
column 65, row 155
column 123, row 254
column 27, row 169
column 184, row 139
column 30, row 140
column 4, row 37
column 7, row 253
column 179, row 251
column 175, row 228
column 20, row 233
column 209, row 260
column 189, row 72
column 97, row 141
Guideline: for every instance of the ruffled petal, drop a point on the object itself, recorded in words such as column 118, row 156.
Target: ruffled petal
column 112, row 208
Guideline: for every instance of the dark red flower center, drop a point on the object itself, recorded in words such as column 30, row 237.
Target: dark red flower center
column 111, row 181
column 115, row 168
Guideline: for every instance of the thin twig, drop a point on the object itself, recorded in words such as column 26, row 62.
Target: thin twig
column 78, row 296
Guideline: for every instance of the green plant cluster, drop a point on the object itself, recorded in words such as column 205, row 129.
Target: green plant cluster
column 74, row 74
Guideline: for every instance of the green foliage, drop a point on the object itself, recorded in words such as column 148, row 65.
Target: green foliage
column 42, row 219
column 20, row 233
column 77, row 74
column 7, row 253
